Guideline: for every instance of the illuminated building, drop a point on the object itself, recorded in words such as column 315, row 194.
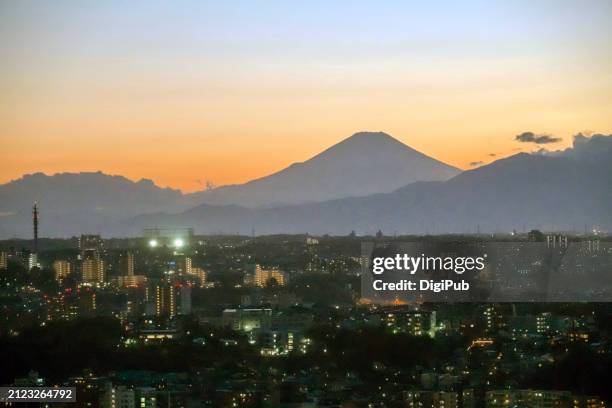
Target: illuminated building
column 493, row 318
column 129, row 264
column 146, row 397
column 165, row 300
column 434, row 399
column 543, row 323
column 528, row 398
column 274, row 343
column 262, row 276
column 33, row 261
column 189, row 269
column 62, row 269
column 280, row 341
column 117, row 397
column 188, row 266
column 92, row 267
column 480, row 343
column 3, row 260
column 585, row 401
column 247, row 319
column 130, row 280
column 413, row 322
column 200, row 274
column 577, row 335
column 157, row 335
column 556, row 241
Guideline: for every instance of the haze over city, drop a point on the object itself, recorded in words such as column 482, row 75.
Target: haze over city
column 228, row 92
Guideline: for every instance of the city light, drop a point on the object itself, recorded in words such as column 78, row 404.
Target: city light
column 178, row 243
column 153, row 243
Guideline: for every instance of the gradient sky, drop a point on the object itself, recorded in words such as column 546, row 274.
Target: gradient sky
column 187, row 91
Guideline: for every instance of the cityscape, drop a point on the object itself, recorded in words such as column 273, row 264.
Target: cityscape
column 176, row 319
column 315, row 204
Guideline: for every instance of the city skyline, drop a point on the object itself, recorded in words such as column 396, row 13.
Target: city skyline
column 268, row 204
column 228, row 93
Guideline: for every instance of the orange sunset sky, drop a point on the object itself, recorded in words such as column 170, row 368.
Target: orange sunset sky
column 183, row 92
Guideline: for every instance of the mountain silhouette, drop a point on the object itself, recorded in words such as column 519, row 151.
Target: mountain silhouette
column 74, row 203
column 560, row 191
column 553, row 191
column 363, row 164
column 71, row 203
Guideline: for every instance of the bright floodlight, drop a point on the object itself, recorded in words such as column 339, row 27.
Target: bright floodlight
column 153, row 243
column 178, row 243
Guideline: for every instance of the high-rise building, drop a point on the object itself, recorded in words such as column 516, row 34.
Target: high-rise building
column 129, row 264
column 33, row 261
column 3, row 260
column 189, row 269
column 165, row 299
column 93, row 269
column 201, row 274
column 130, row 279
column 62, row 269
column 493, row 318
column 188, row 266
column 172, row 299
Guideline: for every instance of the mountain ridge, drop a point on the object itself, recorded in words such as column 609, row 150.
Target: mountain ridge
column 561, row 190
column 96, row 202
column 551, row 191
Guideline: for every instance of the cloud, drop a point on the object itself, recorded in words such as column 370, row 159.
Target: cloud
column 476, row 163
column 530, row 137
column 596, row 146
column 585, row 147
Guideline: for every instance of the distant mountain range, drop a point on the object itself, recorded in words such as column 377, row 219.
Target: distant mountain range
column 563, row 190
column 72, row 203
